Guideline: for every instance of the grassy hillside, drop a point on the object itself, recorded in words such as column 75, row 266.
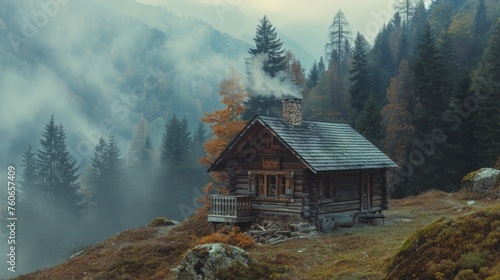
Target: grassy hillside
column 467, row 247
column 362, row 252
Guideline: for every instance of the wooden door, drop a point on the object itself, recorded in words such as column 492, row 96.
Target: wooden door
column 366, row 190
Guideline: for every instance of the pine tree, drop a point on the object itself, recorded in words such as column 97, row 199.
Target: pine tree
column 321, row 66
column 107, row 182
column 382, row 68
column 267, row 55
column 46, row 157
column 67, row 173
column 328, row 100
column 432, row 88
column 175, row 145
column 199, row 138
column 269, row 48
column 99, row 165
column 487, row 90
column 431, row 82
column 416, row 26
column 313, row 76
column 29, row 177
column 338, row 34
column 360, row 74
column 480, row 20
column 462, row 126
column 369, row 122
column 57, row 170
column 405, row 7
column 115, row 161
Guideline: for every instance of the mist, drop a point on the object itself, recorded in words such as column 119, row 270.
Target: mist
column 99, row 70
column 260, row 83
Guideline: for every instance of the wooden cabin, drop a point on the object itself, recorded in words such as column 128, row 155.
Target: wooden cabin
column 287, row 168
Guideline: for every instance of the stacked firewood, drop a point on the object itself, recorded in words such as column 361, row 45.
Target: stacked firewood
column 273, row 233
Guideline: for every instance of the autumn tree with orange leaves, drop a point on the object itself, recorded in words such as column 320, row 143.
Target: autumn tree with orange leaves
column 397, row 116
column 225, row 125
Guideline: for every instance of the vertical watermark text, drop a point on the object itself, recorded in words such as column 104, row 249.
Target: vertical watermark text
column 11, row 218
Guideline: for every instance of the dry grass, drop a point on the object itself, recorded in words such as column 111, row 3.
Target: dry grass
column 361, row 252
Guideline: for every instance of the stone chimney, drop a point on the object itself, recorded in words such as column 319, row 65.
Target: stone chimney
column 292, row 110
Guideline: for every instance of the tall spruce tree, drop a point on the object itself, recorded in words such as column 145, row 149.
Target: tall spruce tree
column 480, row 20
column 98, row 166
column 369, row 122
column 321, row 66
column 269, row 56
column 108, row 181
column 175, row 145
column 405, row 7
column 416, row 26
column 338, row 34
column 57, row 170
column 487, row 89
column 313, row 76
column 360, row 74
column 462, row 125
column 436, row 167
column 67, row 172
column 29, row 177
column 269, row 48
column 200, row 136
column 46, row 157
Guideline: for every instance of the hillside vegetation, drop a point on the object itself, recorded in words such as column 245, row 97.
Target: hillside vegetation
column 429, row 234
column 467, row 247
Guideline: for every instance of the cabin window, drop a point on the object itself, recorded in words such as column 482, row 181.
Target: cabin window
column 271, row 184
column 346, row 185
column 275, row 142
column 325, row 187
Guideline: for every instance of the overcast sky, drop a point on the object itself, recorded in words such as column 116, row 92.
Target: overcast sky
column 305, row 22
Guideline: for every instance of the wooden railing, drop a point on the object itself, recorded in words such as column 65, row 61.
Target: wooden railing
column 230, row 208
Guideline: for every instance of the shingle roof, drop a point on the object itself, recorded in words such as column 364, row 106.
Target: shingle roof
column 321, row 146
column 328, row 146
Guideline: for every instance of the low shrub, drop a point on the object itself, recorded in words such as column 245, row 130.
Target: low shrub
column 231, row 237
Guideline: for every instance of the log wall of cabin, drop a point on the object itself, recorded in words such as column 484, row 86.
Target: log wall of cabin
column 339, row 204
column 248, row 157
column 350, row 203
column 379, row 190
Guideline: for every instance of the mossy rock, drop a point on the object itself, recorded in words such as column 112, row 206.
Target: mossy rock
column 161, row 221
column 204, row 261
column 482, row 180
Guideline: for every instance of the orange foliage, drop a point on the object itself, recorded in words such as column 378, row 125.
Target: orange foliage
column 225, row 125
column 234, row 237
column 397, row 114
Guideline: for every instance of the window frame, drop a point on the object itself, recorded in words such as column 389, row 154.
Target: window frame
column 271, row 184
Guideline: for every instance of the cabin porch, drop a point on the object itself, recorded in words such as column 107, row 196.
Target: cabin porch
column 230, row 209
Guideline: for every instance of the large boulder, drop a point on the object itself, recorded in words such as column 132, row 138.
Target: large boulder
column 203, row 261
column 482, row 180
